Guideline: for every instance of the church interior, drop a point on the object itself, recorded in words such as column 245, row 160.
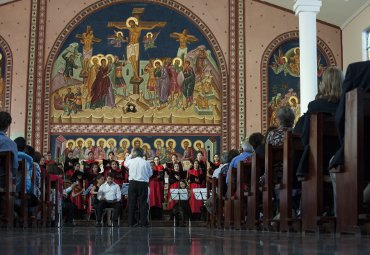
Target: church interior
column 251, row 116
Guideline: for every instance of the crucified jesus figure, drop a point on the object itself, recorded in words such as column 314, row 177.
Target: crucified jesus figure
column 135, row 27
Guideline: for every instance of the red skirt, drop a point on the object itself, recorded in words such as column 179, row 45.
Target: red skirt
column 156, row 192
column 195, row 204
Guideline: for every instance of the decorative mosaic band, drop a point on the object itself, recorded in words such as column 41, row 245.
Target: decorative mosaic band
column 293, row 35
column 233, row 65
column 134, row 129
column 104, row 3
column 8, row 73
column 31, row 72
column 241, row 71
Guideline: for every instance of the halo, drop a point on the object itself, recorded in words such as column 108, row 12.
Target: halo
column 131, row 18
column 100, row 55
column 185, row 140
column 135, row 139
column 149, row 33
column 295, row 50
column 119, row 33
column 286, row 59
column 101, row 58
column 177, row 58
column 114, row 141
column 158, row 60
column 91, row 59
column 293, row 97
column 127, row 141
column 101, row 139
column 80, row 139
column 70, row 141
column 90, row 139
column 171, row 140
column 158, row 140
column 1, row 56
column 196, row 142
column 147, row 145
column 109, row 55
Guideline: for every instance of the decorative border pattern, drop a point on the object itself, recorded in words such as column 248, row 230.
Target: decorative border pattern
column 132, row 129
column 241, row 71
column 293, row 35
column 31, row 73
column 8, row 73
column 47, row 127
column 231, row 136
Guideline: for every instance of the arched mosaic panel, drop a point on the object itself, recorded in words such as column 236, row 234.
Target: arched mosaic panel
column 6, row 64
column 280, row 74
column 126, row 105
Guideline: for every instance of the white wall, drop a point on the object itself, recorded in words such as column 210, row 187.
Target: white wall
column 353, row 46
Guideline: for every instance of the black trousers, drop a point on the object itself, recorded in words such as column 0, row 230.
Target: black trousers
column 138, row 195
column 69, row 210
column 104, row 204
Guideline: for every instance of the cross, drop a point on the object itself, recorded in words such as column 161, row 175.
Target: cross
column 134, row 25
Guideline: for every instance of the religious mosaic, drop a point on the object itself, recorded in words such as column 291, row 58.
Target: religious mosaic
column 163, row 147
column 283, row 78
column 128, row 64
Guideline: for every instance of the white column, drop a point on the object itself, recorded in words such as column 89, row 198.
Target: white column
column 307, row 10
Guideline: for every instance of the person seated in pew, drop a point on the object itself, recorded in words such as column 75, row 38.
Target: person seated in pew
column 260, row 149
column 223, row 165
column 247, row 152
column 6, row 144
column 357, row 76
column 326, row 101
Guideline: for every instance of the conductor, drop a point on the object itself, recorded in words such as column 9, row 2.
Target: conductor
column 139, row 174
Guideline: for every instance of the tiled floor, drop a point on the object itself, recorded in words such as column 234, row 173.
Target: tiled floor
column 167, row 240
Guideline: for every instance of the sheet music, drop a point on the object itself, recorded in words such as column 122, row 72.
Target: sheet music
column 179, row 194
column 200, row 193
column 124, row 189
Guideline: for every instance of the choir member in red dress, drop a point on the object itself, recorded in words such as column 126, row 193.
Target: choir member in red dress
column 174, row 177
column 195, row 176
column 156, row 187
column 119, row 173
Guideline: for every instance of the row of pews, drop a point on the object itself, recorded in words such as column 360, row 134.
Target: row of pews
column 48, row 208
column 246, row 200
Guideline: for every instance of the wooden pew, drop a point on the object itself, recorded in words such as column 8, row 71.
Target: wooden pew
column 352, row 181
column 229, row 201
column 22, row 170
column 213, row 188
column 48, row 199
column 57, row 196
column 254, row 194
column 243, row 180
column 272, row 154
column 43, row 202
column 322, row 135
column 221, row 186
column 8, row 192
column 293, row 148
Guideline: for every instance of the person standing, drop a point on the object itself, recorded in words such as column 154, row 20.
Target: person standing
column 139, row 174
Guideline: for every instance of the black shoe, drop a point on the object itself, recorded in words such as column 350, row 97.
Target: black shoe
column 68, row 224
column 99, row 225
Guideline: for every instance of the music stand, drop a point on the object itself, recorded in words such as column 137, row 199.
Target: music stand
column 179, row 194
column 124, row 189
column 200, row 194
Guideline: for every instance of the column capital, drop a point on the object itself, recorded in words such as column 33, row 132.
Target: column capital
column 307, row 6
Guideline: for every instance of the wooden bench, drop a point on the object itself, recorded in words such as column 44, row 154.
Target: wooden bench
column 243, row 181
column 273, row 154
column 355, row 176
column 221, row 186
column 254, row 194
column 8, row 191
column 229, row 200
column 23, row 217
column 293, row 148
column 323, row 135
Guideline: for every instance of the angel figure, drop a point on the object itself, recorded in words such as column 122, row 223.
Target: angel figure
column 149, row 39
column 280, row 63
column 117, row 39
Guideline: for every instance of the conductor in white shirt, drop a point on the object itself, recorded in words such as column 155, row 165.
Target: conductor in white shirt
column 139, row 174
column 109, row 196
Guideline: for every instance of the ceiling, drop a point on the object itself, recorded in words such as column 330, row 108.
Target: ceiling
column 336, row 12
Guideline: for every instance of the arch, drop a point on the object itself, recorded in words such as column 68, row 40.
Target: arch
column 8, row 74
column 83, row 14
column 276, row 43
